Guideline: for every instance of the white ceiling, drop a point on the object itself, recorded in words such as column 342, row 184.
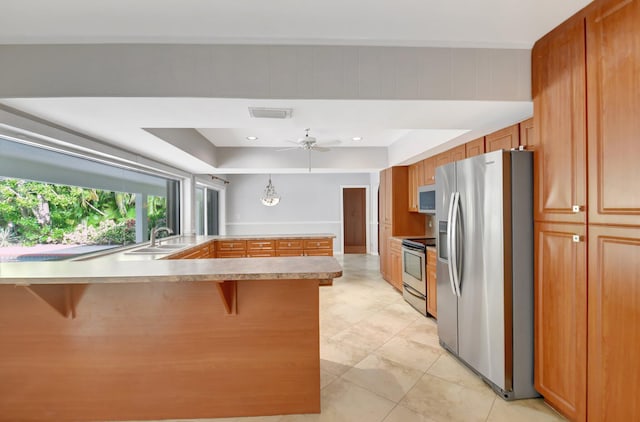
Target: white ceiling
column 413, row 126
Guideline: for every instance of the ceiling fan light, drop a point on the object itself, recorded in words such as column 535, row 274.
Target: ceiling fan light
column 357, row 138
column 252, row 138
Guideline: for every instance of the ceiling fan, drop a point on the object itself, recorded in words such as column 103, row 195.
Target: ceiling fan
column 310, row 143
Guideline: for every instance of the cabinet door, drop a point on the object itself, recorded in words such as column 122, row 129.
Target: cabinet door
column 558, row 72
column 396, row 270
column 458, row 153
column 231, row 254
column 432, row 292
column 412, row 187
column 388, row 198
column 475, row 147
column 385, row 235
column 506, row 138
column 526, row 134
column 613, row 86
column 429, row 170
column 421, row 175
column 614, row 323
column 561, row 317
column 290, row 252
column 443, row 158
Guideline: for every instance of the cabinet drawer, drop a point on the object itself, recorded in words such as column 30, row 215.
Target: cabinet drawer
column 318, row 252
column 260, row 245
column 318, row 244
column 290, row 252
column 232, row 245
column 259, row 253
column 231, row 254
column 286, row 244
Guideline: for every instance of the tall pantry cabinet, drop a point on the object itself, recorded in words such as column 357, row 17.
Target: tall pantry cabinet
column 586, row 90
column 394, row 216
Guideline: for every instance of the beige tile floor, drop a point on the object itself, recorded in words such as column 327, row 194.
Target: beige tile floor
column 381, row 362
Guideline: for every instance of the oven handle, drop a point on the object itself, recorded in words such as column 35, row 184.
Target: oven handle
column 411, row 291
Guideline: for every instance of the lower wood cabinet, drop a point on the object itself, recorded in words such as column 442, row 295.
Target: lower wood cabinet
column 395, row 252
column 560, row 297
column 432, row 282
column 614, row 324
column 231, row 254
column 199, row 252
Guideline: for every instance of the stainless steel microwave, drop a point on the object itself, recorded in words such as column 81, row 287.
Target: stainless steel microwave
column 427, row 199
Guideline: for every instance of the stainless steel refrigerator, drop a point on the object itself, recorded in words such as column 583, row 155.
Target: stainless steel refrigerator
column 484, row 212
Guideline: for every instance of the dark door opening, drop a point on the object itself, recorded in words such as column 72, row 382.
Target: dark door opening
column 354, row 205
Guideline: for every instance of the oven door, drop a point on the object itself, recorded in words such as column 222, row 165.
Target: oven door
column 413, row 270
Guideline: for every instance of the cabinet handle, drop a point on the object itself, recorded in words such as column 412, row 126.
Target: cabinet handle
column 576, row 238
column 577, row 208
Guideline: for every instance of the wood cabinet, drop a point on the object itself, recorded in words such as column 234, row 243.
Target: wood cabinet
column 289, row 244
column 614, row 324
column 560, row 297
column 199, row 252
column 412, row 186
column 261, row 248
column 458, row 153
column 429, row 168
column 432, row 292
column 231, row 248
column 396, row 219
column 506, row 139
column 613, row 102
column 395, row 252
column 526, row 134
column 384, row 246
column 421, row 176
column 318, row 247
column 559, row 117
column 475, row 147
column 442, row 159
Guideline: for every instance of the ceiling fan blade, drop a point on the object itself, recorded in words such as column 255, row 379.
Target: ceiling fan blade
column 287, row 149
column 292, row 142
column 320, row 149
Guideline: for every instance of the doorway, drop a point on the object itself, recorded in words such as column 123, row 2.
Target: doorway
column 354, row 220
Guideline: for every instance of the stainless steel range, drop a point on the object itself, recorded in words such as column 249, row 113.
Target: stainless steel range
column 414, row 278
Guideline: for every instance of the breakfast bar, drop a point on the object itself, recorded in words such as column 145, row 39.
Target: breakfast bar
column 107, row 339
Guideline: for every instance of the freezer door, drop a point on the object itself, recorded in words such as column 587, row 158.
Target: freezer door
column 447, row 300
column 484, row 209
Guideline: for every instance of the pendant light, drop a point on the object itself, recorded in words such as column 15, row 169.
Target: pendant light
column 270, row 197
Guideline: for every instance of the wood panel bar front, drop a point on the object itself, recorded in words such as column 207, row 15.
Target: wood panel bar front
column 161, row 350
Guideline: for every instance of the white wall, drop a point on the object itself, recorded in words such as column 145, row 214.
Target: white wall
column 310, row 204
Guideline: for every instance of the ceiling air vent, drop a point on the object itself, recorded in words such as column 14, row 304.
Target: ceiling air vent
column 270, row 113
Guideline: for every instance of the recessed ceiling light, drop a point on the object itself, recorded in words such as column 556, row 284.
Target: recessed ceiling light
column 357, row 138
column 252, row 138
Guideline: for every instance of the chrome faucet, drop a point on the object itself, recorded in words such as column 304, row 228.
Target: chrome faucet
column 155, row 231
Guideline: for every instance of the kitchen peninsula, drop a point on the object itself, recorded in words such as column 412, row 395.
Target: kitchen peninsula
column 128, row 336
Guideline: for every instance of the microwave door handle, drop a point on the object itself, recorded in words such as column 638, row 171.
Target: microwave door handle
column 449, row 233
column 454, row 247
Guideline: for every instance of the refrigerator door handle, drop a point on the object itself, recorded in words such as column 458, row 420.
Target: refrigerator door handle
column 449, row 236
column 454, row 243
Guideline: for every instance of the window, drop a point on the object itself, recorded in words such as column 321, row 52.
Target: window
column 206, row 212
column 54, row 205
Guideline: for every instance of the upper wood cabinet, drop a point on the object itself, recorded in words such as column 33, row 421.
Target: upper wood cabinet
column 614, row 324
column 526, row 134
column 412, row 186
column 458, row 153
column 560, row 298
column 429, row 167
column 506, row 138
column 443, row 158
column 613, row 103
column 558, row 72
column 421, row 175
column 475, row 147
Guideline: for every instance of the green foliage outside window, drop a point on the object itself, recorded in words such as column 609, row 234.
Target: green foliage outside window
column 35, row 212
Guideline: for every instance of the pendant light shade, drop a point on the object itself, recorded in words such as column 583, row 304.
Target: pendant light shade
column 270, row 197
